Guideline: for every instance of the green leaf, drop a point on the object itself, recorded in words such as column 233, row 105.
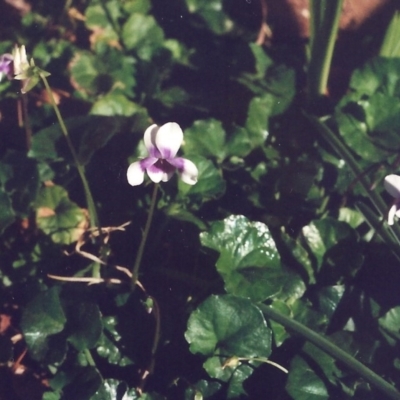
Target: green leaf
column 108, row 390
column 355, row 134
column 333, row 244
column 300, row 255
column 84, row 384
column 84, row 72
column 212, row 13
column 83, row 318
column 257, row 119
column 380, row 74
column 239, row 143
column 228, row 326
column 203, row 387
column 41, row 320
column 142, row 34
column 114, row 104
column 19, row 178
column 352, row 217
column 278, row 330
column 137, row 6
column 59, row 217
column 210, row 184
column 172, row 96
column 109, row 70
column 329, row 298
column 206, row 138
column 107, row 346
column 303, row 383
column 390, row 325
column 248, row 262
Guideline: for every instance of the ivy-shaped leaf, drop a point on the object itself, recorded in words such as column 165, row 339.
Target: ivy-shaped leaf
column 58, row 216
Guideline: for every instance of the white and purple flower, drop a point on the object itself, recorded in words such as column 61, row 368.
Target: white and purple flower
column 6, row 66
column 392, row 186
column 162, row 144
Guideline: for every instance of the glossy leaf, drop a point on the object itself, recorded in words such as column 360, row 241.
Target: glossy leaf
column 228, row 326
column 42, row 319
column 248, row 259
column 303, row 383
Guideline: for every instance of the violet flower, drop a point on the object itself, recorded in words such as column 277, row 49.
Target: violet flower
column 392, row 186
column 162, row 144
column 6, row 66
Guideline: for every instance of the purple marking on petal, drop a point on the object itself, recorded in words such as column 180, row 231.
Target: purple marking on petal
column 165, row 166
column 178, row 163
column 147, row 162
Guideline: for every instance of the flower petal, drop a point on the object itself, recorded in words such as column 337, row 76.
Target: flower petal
column 187, row 170
column 155, row 173
column 392, row 185
column 391, row 214
column 135, row 174
column 150, row 140
column 162, row 170
column 168, row 139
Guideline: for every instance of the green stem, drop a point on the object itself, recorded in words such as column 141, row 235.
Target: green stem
column 89, row 358
column 135, row 270
column 94, row 222
column 328, row 347
column 324, row 27
column 341, row 149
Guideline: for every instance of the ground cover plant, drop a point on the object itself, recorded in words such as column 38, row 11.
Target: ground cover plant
column 194, row 207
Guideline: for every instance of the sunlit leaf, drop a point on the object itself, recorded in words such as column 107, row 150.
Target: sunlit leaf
column 248, row 259
column 142, row 34
column 206, row 138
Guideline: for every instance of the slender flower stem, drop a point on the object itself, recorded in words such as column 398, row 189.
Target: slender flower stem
column 26, row 121
column 94, row 222
column 135, row 270
column 324, row 27
column 334, row 351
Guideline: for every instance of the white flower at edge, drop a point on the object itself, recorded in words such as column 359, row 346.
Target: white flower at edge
column 162, row 144
column 26, row 71
column 392, row 186
column 21, row 64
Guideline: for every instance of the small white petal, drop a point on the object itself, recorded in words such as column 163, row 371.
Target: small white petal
column 155, row 174
column 150, row 140
column 391, row 214
column 135, row 174
column 392, row 185
column 167, row 176
column 169, row 139
column 189, row 172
